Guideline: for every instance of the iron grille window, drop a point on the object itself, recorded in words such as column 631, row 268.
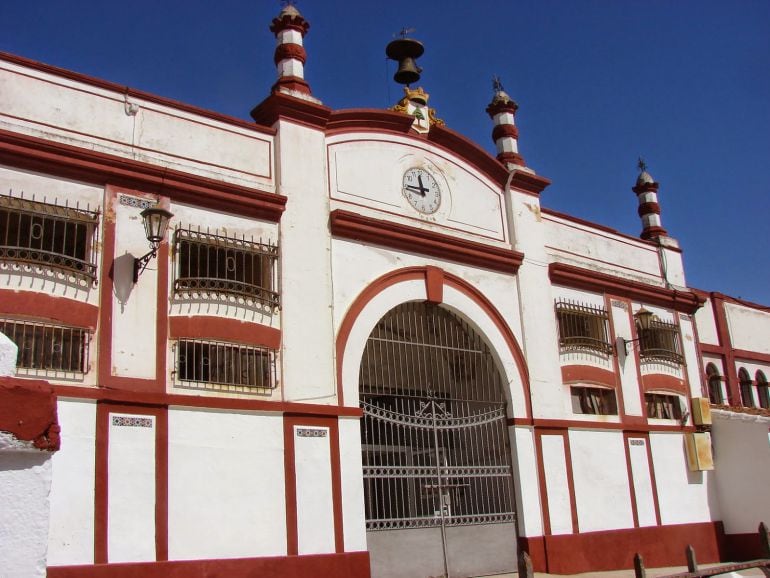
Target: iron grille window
column 224, row 366
column 213, row 266
column 747, row 395
column 660, row 342
column 48, row 350
column 593, row 400
column 662, row 406
column 714, row 384
column 763, row 390
column 43, row 235
column 582, row 327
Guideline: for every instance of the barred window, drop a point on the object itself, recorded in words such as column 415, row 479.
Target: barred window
column 212, row 266
column 36, row 235
column 582, row 327
column 763, row 390
column 593, row 400
column 714, row 384
column 224, row 366
column 660, row 342
column 747, row 395
column 663, row 406
column 46, row 349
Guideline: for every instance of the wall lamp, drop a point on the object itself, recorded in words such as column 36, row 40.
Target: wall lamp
column 643, row 319
column 155, row 225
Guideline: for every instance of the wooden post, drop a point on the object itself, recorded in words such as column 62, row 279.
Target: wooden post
column 764, row 540
column 692, row 563
column 639, row 570
column 525, row 565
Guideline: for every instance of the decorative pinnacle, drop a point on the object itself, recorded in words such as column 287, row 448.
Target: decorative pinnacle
column 641, row 165
column 497, row 86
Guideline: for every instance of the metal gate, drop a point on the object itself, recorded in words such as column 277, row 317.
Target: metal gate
column 436, row 458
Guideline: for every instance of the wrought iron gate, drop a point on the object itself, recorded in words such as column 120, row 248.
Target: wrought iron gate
column 435, row 446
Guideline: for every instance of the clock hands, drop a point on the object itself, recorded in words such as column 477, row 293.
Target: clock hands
column 421, row 189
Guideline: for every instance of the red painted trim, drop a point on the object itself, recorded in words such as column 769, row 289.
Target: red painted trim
column 81, row 164
column 225, row 329
column 541, row 482
column 712, row 349
column 289, row 22
column 645, row 188
column 104, row 343
column 289, row 422
column 289, row 50
column 130, row 92
column 42, row 305
column 348, row 225
column 535, row 547
column 660, row 381
column 505, row 130
column 632, row 424
column 653, row 232
column 528, row 183
column 564, row 434
column 725, row 341
column 501, row 105
column 368, row 120
column 413, row 273
column 434, row 284
column 111, row 395
column 295, row 83
column 347, row 565
column 654, row 481
column 28, row 411
column 629, row 472
column 161, row 317
column 161, row 484
column 571, row 483
column 588, row 374
column 743, row 547
column 577, row 277
column 615, row 549
column 648, row 208
column 278, row 106
column 101, row 472
column 746, row 355
column 469, row 151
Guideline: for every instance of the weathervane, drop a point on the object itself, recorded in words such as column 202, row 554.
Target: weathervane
column 403, row 32
column 497, row 86
column 642, row 165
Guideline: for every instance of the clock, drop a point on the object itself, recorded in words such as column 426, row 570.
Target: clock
column 421, row 190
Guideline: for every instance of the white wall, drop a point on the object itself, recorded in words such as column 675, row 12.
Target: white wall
column 71, row 539
column 226, row 485
column 557, row 484
column 353, row 515
column 643, row 491
column 749, row 328
column 315, row 513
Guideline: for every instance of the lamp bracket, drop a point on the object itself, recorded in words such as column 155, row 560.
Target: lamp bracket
column 140, row 263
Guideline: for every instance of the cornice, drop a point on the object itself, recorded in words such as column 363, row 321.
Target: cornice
column 348, row 225
column 278, row 106
column 571, row 276
column 32, row 153
column 365, row 119
column 528, row 182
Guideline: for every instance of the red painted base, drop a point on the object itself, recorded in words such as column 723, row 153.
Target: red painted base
column 612, row 550
column 742, row 547
column 348, row 565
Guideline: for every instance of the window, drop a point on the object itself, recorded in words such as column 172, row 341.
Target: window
column 763, row 390
column 747, row 395
column 660, row 342
column 224, row 366
column 213, row 266
column 593, row 400
column 663, row 406
column 36, row 235
column 48, row 350
column 714, row 384
column 582, row 327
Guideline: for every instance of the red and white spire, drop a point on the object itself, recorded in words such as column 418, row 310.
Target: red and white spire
column 646, row 190
column 290, row 28
column 502, row 111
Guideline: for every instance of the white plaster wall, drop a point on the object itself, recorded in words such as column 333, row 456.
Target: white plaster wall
column 683, row 496
column 640, row 471
column 43, row 188
column 134, row 307
column 527, row 487
column 131, row 488
column 557, row 484
column 748, row 327
column 351, row 468
column 315, row 514
column 707, row 327
column 307, row 294
column 602, row 493
column 227, row 497
column 582, row 246
column 368, row 169
column 741, row 470
column 25, row 482
column 690, row 350
column 207, row 221
column 71, row 537
column 96, row 118
column 627, row 363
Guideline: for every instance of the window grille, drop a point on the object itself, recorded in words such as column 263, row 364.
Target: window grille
column 582, row 327
column 210, row 266
column 661, row 406
column 593, row 400
column 224, row 366
column 763, row 390
column 714, row 384
column 747, row 395
column 43, row 235
column 49, row 350
column 660, row 342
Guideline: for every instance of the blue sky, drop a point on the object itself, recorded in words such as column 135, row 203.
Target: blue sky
column 683, row 83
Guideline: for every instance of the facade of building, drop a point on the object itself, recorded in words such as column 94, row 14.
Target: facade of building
column 362, row 348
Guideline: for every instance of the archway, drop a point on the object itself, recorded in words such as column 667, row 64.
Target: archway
column 438, row 477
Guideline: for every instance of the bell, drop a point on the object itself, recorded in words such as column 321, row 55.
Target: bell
column 408, row 71
column 404, row 51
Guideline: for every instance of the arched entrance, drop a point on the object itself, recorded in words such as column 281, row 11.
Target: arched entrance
column 438, row 480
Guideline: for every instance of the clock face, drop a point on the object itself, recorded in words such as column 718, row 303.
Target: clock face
column 421, row 190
